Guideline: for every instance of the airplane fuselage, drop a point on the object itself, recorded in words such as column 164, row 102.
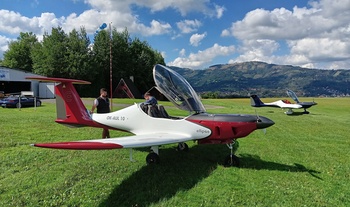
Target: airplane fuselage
column 307, row 105
column 204, row 127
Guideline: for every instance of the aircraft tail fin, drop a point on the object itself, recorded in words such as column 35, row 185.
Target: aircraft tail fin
column 255, row 101
column 69, row 107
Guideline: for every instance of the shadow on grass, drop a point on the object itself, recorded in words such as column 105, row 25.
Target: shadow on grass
column 178, row 171
column 254, row 162
column 181, row 171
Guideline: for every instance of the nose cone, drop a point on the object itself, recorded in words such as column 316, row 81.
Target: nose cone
column 264, row 122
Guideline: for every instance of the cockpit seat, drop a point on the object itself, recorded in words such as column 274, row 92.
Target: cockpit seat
column 157, row 111
column 162, row 112
column 153, row 111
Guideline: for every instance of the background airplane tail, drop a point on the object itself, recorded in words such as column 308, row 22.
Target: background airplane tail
column 255, row 101
column 69, row 107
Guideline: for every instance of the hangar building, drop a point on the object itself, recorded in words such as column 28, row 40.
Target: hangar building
column 13, row 81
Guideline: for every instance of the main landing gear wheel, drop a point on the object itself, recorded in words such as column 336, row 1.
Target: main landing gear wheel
column 232, row 160
column 182, row 147
column 152, row 158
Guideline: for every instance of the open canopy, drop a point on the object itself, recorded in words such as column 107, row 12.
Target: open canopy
column 293, row 95
column 177, row 89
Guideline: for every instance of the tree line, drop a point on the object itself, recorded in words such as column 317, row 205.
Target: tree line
column 74, row 56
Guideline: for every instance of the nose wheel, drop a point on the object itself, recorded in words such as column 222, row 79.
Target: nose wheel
column 232, row 159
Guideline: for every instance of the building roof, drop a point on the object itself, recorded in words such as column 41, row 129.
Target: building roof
column 126, row 89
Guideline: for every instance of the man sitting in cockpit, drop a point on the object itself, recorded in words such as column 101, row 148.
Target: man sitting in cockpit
column 150, row 100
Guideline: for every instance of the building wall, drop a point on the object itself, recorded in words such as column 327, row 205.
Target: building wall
column 9, row 77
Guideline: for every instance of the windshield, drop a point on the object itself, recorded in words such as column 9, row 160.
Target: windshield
column 177, row 89
column 293, row 95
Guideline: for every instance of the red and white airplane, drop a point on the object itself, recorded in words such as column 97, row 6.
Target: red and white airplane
column 150, row 131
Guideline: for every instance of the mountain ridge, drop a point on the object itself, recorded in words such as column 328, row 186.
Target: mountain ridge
column 267, row 80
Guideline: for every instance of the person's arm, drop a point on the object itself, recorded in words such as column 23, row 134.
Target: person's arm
column 94, row 106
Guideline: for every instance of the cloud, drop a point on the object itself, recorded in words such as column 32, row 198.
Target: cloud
column 200, row 59
column 219, row 11
column 188, row 26
column 3, row 45
column 256, row 50
column 182, row 52
column 315, row 36
column 183, row 6
column 195, row 39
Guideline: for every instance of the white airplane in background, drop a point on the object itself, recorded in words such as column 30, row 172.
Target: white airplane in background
column 284, row 104
column 153, row 127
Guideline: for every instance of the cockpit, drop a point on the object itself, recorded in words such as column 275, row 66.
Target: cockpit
column 156, row 110
column 177, row 89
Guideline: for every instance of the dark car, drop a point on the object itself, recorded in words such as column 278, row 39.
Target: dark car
column 14, row 102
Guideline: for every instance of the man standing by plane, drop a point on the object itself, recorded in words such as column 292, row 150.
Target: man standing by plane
column 102, row 105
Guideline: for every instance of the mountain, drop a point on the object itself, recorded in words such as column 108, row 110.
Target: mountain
column 267, row 80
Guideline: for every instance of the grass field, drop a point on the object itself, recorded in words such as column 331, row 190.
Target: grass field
column 303, row 160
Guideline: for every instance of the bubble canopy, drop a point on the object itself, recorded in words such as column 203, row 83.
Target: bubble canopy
column 175, row 87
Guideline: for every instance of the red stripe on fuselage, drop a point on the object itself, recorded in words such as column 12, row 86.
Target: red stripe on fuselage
column 225, row 131
column 80, row 145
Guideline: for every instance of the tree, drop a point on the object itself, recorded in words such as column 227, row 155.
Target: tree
column 50, row 58
column 18, row 54
column 130, row 58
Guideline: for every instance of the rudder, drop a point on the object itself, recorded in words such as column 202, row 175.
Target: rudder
column 69, row 107
column 255, row 101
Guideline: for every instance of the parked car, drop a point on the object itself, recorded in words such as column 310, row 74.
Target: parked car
column 13, row 101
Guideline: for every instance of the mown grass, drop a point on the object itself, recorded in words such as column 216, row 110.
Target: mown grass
column 303, row 160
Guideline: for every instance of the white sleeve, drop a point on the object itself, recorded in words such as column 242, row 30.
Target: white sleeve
column 95, row 102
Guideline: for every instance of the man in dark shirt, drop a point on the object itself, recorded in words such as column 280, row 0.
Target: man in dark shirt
column 102, row 105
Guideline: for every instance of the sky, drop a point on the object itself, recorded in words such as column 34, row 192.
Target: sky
column 199, row 33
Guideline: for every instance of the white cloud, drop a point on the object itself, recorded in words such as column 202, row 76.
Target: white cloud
column 195, row 39
column 317, row 36
column 188, row 26
column 219, row 11
column 256, row 50
column 198, row 60
column 183, row 6
column 3, row 45
column 182, row 52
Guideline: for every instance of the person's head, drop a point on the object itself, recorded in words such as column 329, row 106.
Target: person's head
column 147, row 95
column 103, row 92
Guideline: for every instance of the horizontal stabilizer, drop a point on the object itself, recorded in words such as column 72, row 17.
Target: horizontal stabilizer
column 57, row 80
column 80, row 145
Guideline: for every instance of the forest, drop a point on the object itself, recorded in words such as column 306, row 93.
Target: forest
column 74, row 55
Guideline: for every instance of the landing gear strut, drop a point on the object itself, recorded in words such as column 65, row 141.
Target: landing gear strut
column 305, row 112
column 232, row 159
column 182, row 147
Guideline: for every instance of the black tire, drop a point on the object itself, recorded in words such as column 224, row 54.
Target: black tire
column 232, row 161
column 38, row 103
column 152, row 158
column 182, row 147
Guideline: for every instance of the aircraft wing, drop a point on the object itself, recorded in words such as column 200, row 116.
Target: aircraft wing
column 135, row 141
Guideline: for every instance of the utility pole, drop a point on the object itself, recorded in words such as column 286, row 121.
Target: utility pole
column 110, row 65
